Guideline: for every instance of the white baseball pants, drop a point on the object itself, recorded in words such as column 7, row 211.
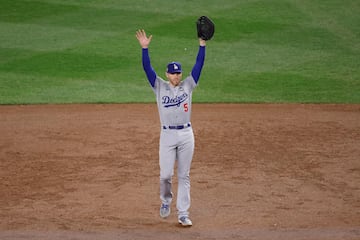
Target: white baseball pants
column 176, row 145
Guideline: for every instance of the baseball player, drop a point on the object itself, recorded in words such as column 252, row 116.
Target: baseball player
column 176, row 138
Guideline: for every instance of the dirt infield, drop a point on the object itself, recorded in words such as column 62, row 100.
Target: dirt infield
column 260, row 171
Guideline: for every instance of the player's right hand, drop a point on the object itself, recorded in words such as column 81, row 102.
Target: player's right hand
column 144, row 41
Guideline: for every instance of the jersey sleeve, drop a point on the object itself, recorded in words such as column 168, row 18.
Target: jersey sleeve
column 149, row 71
column 198, row 64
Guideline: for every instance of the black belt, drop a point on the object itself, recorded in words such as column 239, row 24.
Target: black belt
column 178, row 127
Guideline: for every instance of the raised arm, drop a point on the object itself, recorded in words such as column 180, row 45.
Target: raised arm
column 144, row 42
column 196, row 71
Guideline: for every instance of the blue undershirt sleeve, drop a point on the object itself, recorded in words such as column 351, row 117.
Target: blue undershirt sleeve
column 150, row 73
column 199, row 64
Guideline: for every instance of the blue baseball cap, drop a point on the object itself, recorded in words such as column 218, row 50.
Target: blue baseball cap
column 174, row 67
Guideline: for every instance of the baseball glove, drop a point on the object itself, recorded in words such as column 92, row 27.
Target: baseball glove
column 205, row 28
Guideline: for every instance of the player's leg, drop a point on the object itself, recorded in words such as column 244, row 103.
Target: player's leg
column 167, row 155
column 184, row 156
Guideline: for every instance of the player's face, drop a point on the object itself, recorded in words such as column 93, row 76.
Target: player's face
column 174, row 78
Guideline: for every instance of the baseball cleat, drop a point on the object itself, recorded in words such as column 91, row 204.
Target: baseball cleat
column 164, row 210
column 185, row 222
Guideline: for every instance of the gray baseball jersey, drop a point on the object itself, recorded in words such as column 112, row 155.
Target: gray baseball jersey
column 174, row 103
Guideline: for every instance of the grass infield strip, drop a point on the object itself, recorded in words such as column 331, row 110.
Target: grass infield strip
column 263, row 51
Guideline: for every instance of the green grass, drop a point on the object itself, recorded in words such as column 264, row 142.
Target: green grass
column 77, row 51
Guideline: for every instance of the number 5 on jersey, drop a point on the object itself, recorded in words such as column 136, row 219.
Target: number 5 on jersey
column 186, row 108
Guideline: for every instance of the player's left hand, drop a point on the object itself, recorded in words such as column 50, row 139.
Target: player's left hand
column 202, row 42
column 144, row 41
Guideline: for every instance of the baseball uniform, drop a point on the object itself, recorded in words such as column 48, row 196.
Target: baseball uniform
column 177, row 137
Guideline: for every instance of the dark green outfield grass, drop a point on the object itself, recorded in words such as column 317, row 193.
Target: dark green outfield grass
column 76, row 51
